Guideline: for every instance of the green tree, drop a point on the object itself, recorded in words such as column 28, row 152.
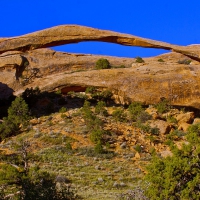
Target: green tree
column 178, row 176
column 19, row 180
column 18, row 114
column 102, row 63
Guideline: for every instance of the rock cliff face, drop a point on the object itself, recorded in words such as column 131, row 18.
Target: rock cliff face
column 23, row 64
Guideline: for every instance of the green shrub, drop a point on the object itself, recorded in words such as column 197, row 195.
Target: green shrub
column 144, row 127
column 154, row 131
column 162, row 106
column 175, row 135
column 138, row 148
column 160, row 60
column 96, row 135
column 100, row 108
column 119, row 115
column 139, row 60
column 184, row 61
column 135, row 109
column 176, row 176
column 171, row 119
column 143, row 117
column 98, row 148
column 102, row 64
column 90, row 89
column 63, row 110
column 63, row 116
column 69, row 146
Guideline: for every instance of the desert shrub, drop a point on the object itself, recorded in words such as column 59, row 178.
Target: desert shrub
column 63, row 116
column 120, row 66
column 99, row 148
column 96, row 135
column 119, row 115
column 144, row 127
column 63, row 110
column 68, row 146
column 163, row 106
column 154, row 131
column 105, row 95
column 92, row 121
column 171, row 119
column 175, row 135
column 135, row 109
column 139, row 60
column 176, row 176
column 143, row 117
column 160, row 60
column 102, row 63
column 138, row 148
column 184, row 61
column 90, row 89
column 100, row 108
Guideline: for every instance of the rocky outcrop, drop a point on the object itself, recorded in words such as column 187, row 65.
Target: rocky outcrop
column 10, row 59
column 68, row 34
column 147, row 82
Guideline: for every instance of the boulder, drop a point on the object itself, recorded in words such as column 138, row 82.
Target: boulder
column 185, row 117
column 196, row 121
column 163, row 126
column 50, row 70
column 183, row 126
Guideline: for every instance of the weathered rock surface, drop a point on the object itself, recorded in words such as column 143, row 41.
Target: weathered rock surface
column 163, row 126
column 67, row 34
column 146, row 82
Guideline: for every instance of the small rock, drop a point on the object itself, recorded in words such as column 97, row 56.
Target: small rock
column 122, row 184
column 123, row 145
column 115, row 184
column 97, row 167
column 100, row 180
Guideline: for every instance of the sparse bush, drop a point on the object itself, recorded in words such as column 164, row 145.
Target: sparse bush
column 63, row 116
column 138, row 148
column 184, row 61
column 171, row 119
column 160, row 60
column 69, row 146
column 63, row 110
column 98, row 148
column 139, row 60
column 119, row 115
column 135, row 109
column 90, row 90
column 175, row 135
column 155, row 131
column 96, row 136
column 162, row 106
column 143, row 117
column 102, row 64
column 144, row 127
column 100, row 108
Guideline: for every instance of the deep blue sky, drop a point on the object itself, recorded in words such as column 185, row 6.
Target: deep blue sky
column 173, row 21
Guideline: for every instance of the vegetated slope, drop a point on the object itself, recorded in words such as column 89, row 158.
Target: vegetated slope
column 63, row 145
